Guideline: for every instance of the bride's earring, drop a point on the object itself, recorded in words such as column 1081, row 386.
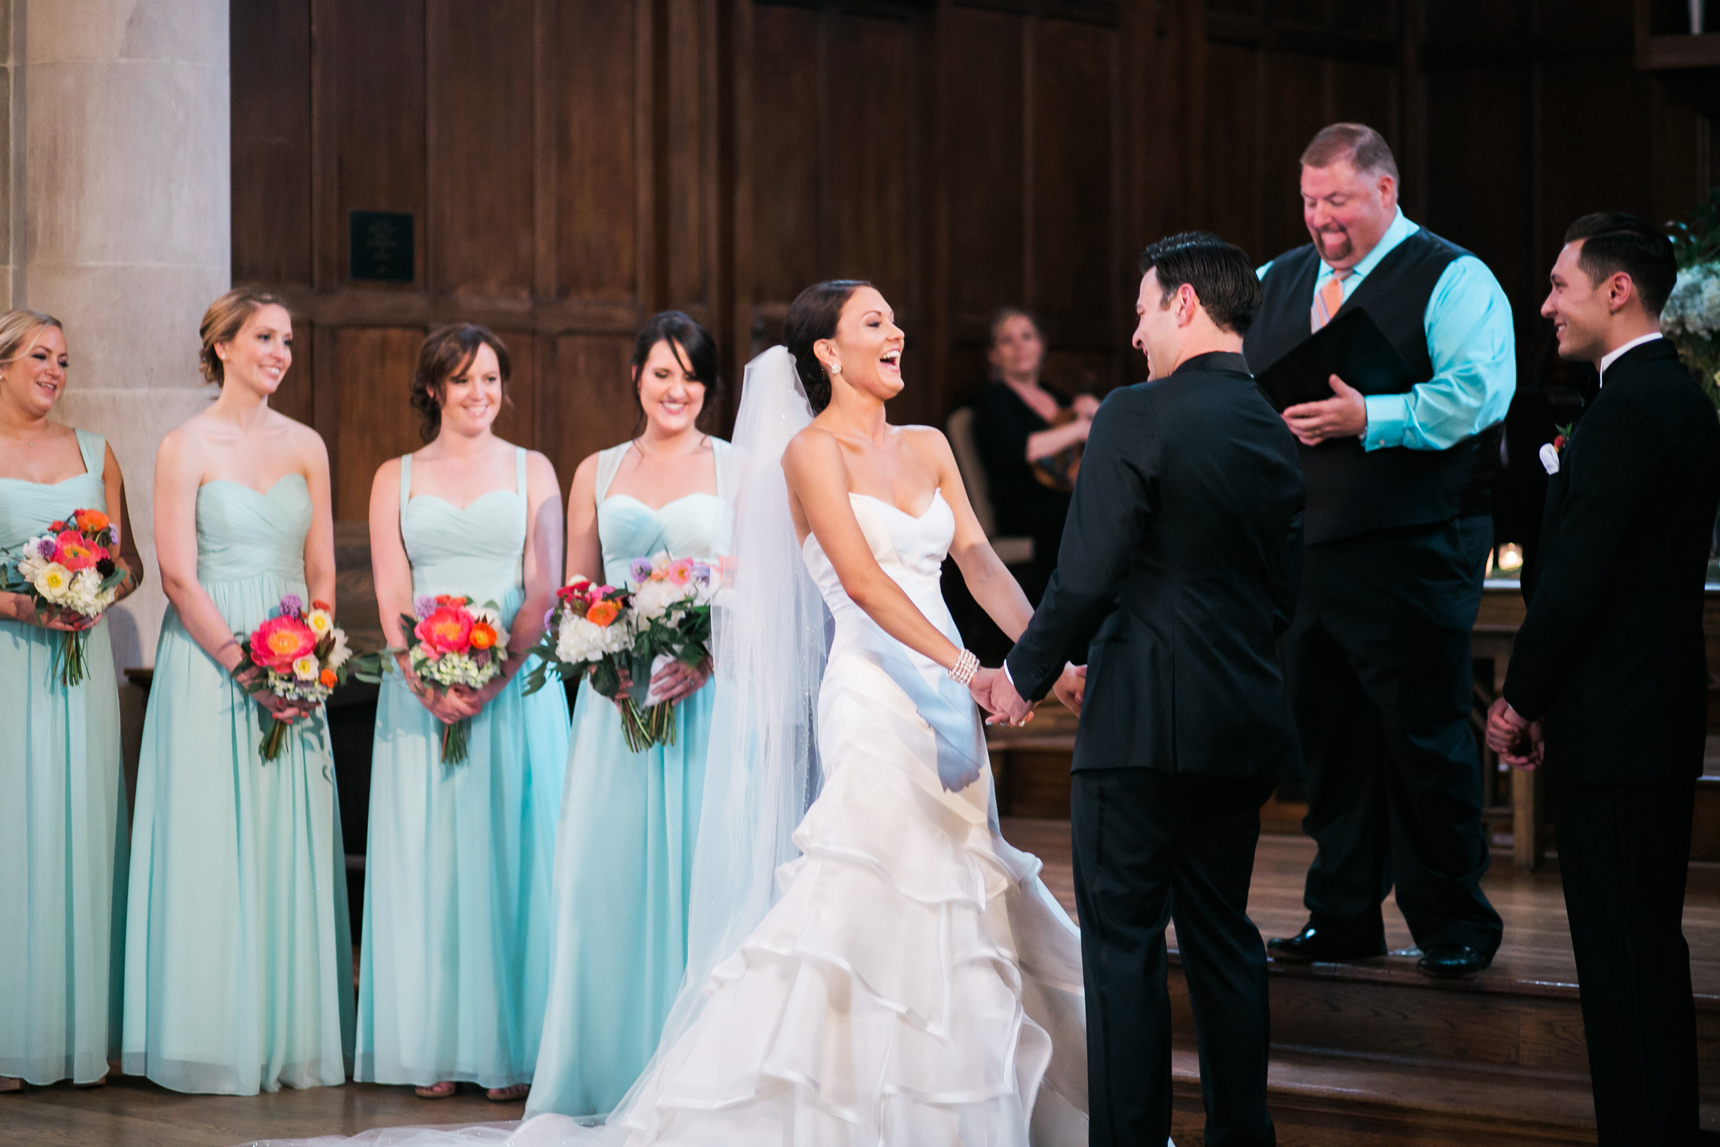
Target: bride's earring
column 836, row 368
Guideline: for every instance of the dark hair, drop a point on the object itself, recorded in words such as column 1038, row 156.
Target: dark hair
column 222, row 322
column 1004, row 314
column 1357, row 144
column 689, row 340
column 1220, row 273
column 446, row 352
column 812, row 316
column 1614, row 242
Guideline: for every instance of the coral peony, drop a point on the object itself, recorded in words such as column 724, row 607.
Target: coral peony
column 603, row 613
column 448, row 629
column 280, row 641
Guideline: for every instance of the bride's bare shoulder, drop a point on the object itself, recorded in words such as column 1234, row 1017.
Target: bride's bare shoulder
column 927, row 441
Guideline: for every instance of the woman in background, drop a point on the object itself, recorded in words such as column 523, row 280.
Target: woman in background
column 457, row 871
column 1029, row 439
column 62, row 787
column 625, row 850
column 238, row 961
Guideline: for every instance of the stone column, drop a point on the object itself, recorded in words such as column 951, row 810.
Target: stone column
column 121, row 208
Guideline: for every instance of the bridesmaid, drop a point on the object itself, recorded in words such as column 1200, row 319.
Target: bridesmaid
column 62, row 789
column 457, row 875
column 238, row 962
column 628, row 824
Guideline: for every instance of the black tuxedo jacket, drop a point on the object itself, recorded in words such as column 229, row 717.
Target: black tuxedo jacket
column 1611, row 653
column 1179, row 569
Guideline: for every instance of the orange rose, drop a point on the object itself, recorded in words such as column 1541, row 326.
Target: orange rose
column 322, row 605
column 327, row 678
column 483, row 635
column 603, row 613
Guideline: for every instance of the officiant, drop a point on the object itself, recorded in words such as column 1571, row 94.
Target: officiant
column 1398, row 530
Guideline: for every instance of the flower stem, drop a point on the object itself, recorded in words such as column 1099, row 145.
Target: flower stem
column 454, row 742
column 273, row 740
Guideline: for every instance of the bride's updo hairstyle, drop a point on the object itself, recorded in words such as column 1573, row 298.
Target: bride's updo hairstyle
column 812, row 316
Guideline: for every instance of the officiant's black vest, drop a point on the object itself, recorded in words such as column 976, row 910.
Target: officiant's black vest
column 1350, row 490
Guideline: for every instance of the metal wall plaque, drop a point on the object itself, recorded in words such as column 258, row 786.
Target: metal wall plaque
column 382, row 246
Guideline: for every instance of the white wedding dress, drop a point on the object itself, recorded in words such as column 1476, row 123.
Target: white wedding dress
column 916, row 984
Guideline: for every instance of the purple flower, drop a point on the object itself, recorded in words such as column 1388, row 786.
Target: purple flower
column 112, row 535
column 423, row 605
column 641, row 570
column 292, row 603
column 43, row 548
column 701, row 573
column 547, row 615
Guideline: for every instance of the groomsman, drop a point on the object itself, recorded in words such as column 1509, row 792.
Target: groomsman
column 1608, row 683
column 1398, row 530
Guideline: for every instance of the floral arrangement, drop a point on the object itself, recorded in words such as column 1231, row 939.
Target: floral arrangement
column 1691, row 317
column 453, row 642
column 301, row 656
column 664, row 617
column 71, row 567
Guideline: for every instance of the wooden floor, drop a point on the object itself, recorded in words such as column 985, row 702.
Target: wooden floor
column 1535, row 959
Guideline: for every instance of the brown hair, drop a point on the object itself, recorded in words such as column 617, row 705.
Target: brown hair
column 446, row 352
column 1357, row 144
column 222, row 322
column 812, row 316
column 16, row 327
column 1004, row 314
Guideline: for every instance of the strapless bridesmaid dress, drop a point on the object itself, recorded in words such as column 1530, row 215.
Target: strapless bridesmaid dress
column 62, row 821
column 456, row 936
column 625, row 850
column 238, row 960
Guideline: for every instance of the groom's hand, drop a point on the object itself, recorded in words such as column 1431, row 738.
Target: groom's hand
column 1071, row 687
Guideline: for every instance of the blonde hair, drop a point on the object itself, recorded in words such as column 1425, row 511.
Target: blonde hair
column 222, row 321
column 16, row 327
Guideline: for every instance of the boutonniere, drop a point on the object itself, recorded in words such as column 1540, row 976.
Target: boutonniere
column 1551, row 451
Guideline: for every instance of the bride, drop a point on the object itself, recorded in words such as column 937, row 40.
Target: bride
column 880, row 966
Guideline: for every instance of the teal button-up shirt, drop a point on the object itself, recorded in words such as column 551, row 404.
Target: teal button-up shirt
column 1469, row 339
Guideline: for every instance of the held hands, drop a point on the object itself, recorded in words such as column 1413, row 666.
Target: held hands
column 252, row 681
column 672, row 682
column 1519, row 742
column 1345, row 415
column 992, row 689
column 18, row 607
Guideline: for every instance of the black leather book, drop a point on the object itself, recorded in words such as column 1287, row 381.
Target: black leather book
column 1352, row 347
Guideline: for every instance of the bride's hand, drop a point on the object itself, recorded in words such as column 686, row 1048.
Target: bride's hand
column 678, row 679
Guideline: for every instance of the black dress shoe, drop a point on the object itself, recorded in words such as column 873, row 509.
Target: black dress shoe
column 1319, row 942
column 1452, row 961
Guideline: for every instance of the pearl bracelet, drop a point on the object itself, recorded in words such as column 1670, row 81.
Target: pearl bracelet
column 967, row 664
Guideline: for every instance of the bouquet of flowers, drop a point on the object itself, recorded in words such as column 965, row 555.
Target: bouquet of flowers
column 665, row 617
column 301, row 655
column 1691, row 317
column 453, row 642
column 70, row 567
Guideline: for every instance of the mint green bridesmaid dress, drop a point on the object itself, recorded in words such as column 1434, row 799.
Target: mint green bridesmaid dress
column 624, row 852
column 455, row 962
column 238, row 956
column 62, row 821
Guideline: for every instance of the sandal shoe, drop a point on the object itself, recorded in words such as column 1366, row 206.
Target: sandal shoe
column 436, row 1090
column 11, row 1083
column 507, row 1094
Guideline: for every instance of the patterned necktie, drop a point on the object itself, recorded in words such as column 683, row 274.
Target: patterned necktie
column 1327, row 300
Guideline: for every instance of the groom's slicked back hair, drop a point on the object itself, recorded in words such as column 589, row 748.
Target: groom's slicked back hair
column 1220, row 273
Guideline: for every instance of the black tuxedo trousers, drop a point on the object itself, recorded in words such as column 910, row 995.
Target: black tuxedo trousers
column 1153, row 848
column 1378, row 666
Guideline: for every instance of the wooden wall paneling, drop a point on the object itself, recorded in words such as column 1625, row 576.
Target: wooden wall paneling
column 546, row 78
column 1295, row 107
column 689, row 176
column 378, row 79
column 520, row 419
column 479, row 160
column 296, row 396
column 867, row 200
column 324, row 381
column 595, row 403
column 376, row 422
column 1370, row 93
column 1235, row 103
column 271, row 142
column 602, row 150
column 780, row 155
column 1073, row 209
column 986, row 171
column 1307, row 13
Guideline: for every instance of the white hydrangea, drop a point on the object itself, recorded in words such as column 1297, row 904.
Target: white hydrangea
column 1693, row 308
column 451, row 669
column 578, row 640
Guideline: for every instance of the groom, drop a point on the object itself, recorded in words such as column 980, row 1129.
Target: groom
column 1178, row 571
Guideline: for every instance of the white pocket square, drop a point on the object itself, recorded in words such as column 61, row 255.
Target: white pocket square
column 1550, row 458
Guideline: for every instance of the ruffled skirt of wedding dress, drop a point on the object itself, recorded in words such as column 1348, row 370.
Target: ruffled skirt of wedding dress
column 916, row 985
